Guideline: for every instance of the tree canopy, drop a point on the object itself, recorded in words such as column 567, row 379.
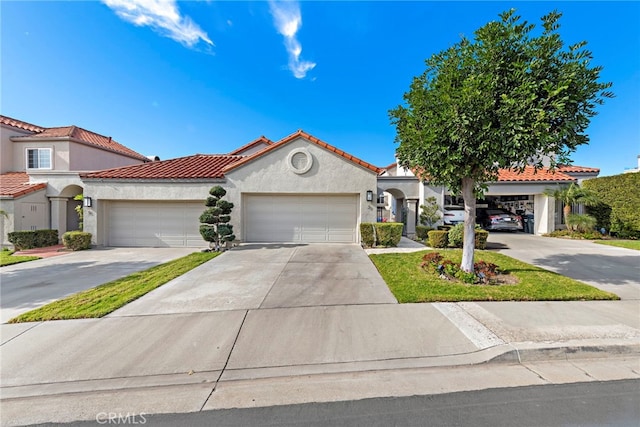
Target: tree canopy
column 505, row 99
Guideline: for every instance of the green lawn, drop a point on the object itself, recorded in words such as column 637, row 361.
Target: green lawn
column 410, row 283
column 7, row 258
column 628, row 244
column 104, row 299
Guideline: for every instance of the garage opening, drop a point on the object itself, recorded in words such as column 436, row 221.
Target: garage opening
column 300, row 218
column 522, row 205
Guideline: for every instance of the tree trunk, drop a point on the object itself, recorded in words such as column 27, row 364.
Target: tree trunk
column 566, row 210
column 469, row 224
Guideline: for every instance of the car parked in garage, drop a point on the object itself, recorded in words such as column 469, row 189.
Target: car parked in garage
column 498, row 219
column 453, row 215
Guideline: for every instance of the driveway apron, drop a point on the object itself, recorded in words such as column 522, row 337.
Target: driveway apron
column 254, row 276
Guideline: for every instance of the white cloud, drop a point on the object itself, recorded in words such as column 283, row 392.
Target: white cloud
column 288, row 20
column 161, row 15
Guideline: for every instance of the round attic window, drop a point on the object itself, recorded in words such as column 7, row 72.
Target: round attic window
column 300, row 161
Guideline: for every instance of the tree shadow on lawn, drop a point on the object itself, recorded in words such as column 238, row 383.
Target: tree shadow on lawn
column 604, row 269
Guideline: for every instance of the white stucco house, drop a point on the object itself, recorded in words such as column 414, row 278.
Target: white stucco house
column 297, row 189
column 39, row 172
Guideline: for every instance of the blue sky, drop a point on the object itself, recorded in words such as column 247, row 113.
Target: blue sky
column 174, row 79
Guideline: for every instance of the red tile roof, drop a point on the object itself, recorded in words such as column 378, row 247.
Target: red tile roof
column 20, row 124
column 262, row 140
column 530, row 174
column 313, row 139
column 16, row 184
column 87, row 137
column 192, row 167
column 577, row 169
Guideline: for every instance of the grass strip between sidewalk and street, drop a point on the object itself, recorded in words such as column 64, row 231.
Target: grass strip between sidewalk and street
column 106, row 298
column 627, row 244
column 7, row 258
column 410, row 283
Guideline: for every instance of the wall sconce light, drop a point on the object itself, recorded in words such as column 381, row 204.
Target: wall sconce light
column 87, row 202
column 369, row 196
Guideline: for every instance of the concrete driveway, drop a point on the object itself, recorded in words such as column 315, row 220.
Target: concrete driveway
column 33, row 284
column 608, row 268
column 256, row 276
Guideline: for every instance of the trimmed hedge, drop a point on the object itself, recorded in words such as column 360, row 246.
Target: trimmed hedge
column 438, row 238
column 367, row 234
column 421, row 232
column 620, row 198
column 33, row 239
column 481, row 239
column 381, row 233
column 76, row 240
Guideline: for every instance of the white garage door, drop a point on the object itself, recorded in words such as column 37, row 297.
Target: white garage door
column 155, row 224
column 298, row 218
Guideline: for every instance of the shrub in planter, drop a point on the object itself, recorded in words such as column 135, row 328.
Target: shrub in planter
column 388, row 233
column 438, row 238
column 76, row 240
column 33, row 239
column 421, row 231
column 367, row 234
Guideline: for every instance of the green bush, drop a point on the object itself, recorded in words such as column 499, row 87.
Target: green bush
column 581, row 223
column 481, row 238
column 421, row 231
column 456, row 237
column 388, row 233
column 76, row 240
column 438, row 238
column 367, row 234
column 620, row 198
column 33, row 239
column 381, row 233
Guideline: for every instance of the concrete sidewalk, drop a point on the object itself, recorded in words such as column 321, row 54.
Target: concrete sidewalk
column 158, row 359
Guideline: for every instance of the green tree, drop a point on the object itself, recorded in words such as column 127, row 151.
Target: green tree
column 430, row 213
column 571, row 195
column 505, row 99
column 215, row 227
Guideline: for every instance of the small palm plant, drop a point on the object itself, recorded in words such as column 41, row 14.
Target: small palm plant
column 571, row 195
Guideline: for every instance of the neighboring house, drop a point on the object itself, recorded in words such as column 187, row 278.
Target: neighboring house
column 636, row 169
column 518, row 192
column 39, row 172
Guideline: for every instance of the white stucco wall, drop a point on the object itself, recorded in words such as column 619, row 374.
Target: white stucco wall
column 329, row 174
column 59, row 154
column 7, row 149
column 20, row 216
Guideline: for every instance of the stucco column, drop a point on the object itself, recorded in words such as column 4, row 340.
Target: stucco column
column 412, row 208
column 59, row 214
column 544, row 209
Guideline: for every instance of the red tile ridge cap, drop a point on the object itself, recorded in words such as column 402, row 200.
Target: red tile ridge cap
column 261, row 139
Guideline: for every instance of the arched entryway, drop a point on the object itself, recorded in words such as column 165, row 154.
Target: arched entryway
column 64, row 214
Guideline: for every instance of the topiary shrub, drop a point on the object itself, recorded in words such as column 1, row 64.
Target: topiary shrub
column 76, row 240
column 421, row 231
column 438, row 238
column 33, row 239
column 388, row 233
column 367, row 234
